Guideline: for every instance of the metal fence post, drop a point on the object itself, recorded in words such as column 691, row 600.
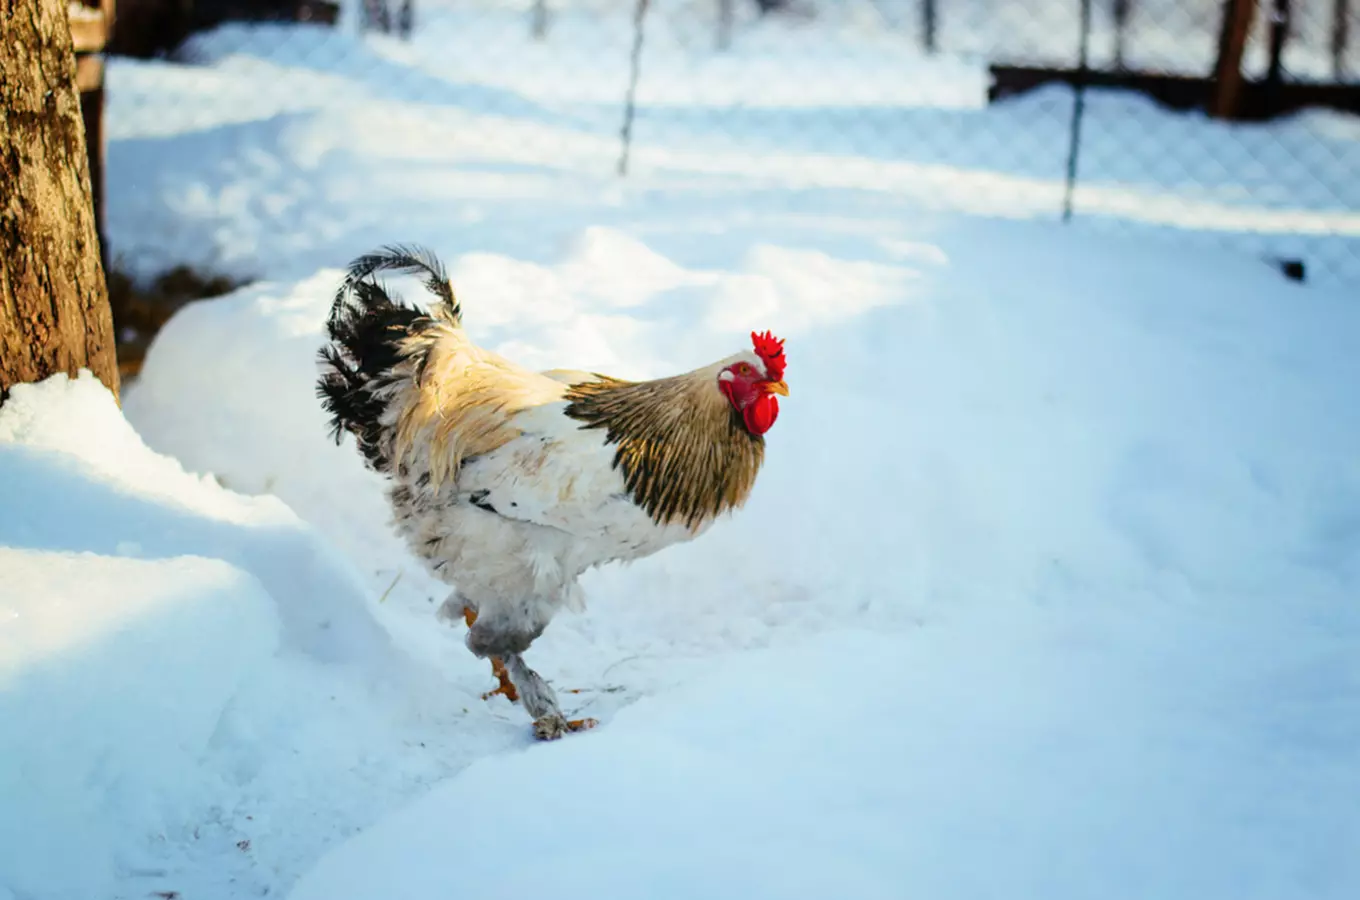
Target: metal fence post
column 1078, row 109
column 1121, row 22
column 725, row 14
column 538, row 25
column 1279, row 36
column 1340, row 31
column 630, row 102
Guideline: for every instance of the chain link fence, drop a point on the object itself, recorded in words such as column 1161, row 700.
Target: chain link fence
column 1089, row 111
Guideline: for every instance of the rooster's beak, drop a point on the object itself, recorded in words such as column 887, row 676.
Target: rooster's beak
column 776, row 387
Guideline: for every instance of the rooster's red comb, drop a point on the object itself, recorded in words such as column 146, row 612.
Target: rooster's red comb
column 771, row 350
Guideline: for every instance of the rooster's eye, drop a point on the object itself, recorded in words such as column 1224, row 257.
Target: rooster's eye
column 744, row 369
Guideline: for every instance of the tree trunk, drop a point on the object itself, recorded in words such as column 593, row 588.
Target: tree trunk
column 54, row 303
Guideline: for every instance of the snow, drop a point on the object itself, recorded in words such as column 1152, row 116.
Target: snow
column 968, row 762
column 169, row 653
column 1053, row 564
column 1048, row 586
column 125, row 665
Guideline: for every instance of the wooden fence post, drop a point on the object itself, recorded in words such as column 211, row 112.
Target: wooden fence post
column 1237, row 16
column 91, row 23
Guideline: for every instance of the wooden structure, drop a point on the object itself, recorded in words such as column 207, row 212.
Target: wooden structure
column 91, row 23
column 1232, row 42
column 1223, row 92
column 153, row 26
column 1253, row 101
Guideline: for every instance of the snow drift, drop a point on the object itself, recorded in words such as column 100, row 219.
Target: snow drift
column 157, row 633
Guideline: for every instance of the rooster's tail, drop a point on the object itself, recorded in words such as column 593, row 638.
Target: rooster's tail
column 361, row 365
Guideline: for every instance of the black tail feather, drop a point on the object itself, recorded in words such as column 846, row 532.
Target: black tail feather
column 401, row 259
column 367, row 326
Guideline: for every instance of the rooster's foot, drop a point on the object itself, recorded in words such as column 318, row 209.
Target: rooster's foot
column 507, row 687
column 553, row 726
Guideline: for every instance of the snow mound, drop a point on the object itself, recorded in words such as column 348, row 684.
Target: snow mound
column 169, row 650
column 67, row 447
column 114, row 674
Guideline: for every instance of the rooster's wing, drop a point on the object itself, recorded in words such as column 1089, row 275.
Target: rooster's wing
column 558, row 475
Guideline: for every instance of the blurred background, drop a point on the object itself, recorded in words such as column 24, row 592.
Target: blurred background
column 241, row 139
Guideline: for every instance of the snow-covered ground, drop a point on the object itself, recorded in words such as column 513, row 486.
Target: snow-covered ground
column 1048, row 588
column 1054, row 593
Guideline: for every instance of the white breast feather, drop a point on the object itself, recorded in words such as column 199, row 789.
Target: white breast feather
column 562, row 476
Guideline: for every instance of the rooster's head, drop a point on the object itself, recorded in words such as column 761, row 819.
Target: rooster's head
column 751, row 381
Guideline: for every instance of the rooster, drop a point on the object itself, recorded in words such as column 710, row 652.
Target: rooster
column 508, row 483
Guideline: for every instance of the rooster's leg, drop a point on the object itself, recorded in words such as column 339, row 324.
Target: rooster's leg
column 506, row 638
column 541, row 702
column 507, row 687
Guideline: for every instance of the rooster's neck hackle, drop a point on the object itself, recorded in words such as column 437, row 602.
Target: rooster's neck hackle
column 684, row 452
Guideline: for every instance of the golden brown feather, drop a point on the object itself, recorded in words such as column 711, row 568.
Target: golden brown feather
column 684, row 453
column 461, row 399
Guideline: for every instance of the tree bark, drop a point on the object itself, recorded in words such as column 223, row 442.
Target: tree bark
column 54, row 303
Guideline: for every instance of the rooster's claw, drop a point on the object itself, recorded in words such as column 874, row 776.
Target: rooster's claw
column 553, row 726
